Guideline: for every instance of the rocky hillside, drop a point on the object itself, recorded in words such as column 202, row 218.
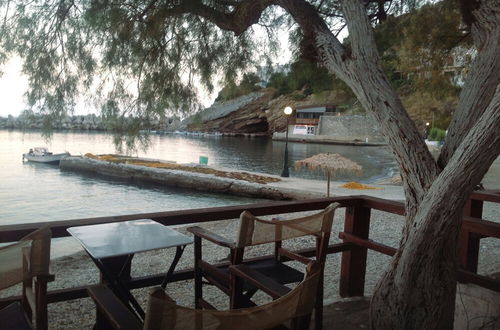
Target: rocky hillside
column 261, row 114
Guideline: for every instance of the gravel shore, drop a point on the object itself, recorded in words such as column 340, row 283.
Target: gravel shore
column 77, row 269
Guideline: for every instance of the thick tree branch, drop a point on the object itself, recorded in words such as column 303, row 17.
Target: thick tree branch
column 312, row 25
column 476, row 153
column 363, row 73
column 361, row 35
column 484, row 74
column 430, row 242
column 245, row 13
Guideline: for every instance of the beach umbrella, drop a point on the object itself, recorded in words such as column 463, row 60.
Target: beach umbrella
column 330, row 164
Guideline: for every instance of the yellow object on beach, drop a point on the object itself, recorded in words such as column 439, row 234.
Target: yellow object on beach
column 356, row 185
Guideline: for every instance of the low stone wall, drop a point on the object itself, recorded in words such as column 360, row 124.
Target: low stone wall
column 181, row 179
column 325, row 139
column 350, row 128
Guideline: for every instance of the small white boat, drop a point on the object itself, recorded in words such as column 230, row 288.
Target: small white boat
column 42, row 155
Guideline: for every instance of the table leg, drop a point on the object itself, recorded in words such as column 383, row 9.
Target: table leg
column 119, row 288
column 178, row 254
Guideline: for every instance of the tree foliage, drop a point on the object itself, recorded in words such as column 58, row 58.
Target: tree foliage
column 248, row 84
column 419, row 48
column 137, row 58
column 305, row 76
column 130, row 58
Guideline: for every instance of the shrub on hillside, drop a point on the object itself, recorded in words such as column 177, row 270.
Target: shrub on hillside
column 436, row 134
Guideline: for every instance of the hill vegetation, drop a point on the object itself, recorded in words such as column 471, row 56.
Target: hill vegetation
column 425, row 55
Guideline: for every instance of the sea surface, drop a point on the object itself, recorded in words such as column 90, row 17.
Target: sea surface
column 32, row 192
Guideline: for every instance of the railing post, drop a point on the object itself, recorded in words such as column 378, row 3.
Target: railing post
column 353, row 265
column 468, row 244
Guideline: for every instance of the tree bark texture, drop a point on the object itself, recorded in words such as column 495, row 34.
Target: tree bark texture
column 418, row 291
column 483, row 77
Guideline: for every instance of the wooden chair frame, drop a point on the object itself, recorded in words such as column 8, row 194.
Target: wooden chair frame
column 33, row 273
column 34, row 294
column 13, row 316
column 234, row 286
column 118, row 316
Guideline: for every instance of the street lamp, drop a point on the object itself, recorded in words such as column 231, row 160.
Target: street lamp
column 285, row 173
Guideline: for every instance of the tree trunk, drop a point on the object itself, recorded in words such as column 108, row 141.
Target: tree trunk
column 418, row 291
column 483, row 78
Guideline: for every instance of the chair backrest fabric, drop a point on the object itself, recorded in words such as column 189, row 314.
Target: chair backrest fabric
column 36, row 246
column 11, row 265
column 164, row 313
column 40, row 251
column 255, row 231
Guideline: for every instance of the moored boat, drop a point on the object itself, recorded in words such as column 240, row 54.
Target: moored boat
column 42, row 155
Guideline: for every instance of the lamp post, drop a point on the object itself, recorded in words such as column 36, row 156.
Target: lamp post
column 285, row 173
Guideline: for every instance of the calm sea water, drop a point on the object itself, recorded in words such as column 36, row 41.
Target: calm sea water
column 31, row 192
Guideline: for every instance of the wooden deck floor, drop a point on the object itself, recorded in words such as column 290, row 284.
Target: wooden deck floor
column 347, row 315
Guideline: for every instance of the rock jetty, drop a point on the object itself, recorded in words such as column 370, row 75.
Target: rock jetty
column 179, row 178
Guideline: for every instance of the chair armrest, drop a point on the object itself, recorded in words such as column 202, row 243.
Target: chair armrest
column 45, row 278
column 115, row 312
column 212, row 237
column 294, row 256
column 259, row 280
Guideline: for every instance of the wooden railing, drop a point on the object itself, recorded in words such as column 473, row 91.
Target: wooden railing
column 355, row 237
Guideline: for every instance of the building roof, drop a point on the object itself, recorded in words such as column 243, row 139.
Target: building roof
column 314, row 107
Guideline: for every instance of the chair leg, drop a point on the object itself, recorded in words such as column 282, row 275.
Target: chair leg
column 236, row 289
column 41, row 319
column 318, row 309
column 198, row 289
column 301, row 323
column 25, row 301
column 27, row 289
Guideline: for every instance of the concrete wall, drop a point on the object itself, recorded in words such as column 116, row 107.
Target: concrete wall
column 356, row 127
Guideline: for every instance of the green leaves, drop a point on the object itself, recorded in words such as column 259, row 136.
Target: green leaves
column 423, row 45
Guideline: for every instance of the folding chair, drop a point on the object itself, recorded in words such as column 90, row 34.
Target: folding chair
column 27, row 262
column 255, row 231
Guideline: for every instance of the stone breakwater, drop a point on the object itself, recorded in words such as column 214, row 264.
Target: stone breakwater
column 77, row 122
column 180, row 179
column 88, row 122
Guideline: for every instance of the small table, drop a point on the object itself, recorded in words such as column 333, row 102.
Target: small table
column 105, row 242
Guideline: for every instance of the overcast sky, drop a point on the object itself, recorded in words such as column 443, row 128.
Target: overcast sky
column 13, row 84
column 12, row 87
